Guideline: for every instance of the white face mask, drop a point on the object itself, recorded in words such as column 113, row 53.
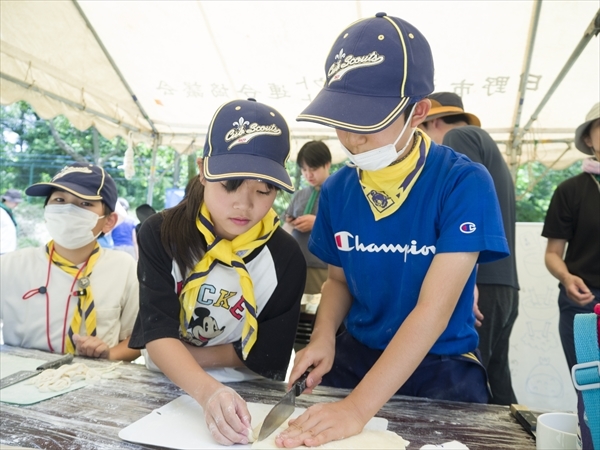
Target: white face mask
column 71, row 226
column 381, row 157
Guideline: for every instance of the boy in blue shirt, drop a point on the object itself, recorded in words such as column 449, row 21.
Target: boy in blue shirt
column 401, row 231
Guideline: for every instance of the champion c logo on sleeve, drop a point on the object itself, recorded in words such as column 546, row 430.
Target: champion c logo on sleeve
column 467, row 227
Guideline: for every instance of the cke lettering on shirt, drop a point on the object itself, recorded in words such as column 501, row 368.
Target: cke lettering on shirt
column 223, row 301
column 347, row 242
column 220, row 310
column 208, row 296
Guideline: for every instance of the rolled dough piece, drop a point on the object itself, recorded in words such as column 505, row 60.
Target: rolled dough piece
column 252, row 433
column 55, row 380
column 367, row 439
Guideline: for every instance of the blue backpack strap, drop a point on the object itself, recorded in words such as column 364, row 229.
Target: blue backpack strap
column 586, row 374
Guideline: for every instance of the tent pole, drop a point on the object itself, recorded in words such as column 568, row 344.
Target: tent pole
column 512, row 149
column 592, row 30
column 152, row 177
column 541, row 177
column 176, row 170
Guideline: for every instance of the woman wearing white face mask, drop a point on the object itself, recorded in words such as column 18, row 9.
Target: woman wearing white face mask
column 50, row 285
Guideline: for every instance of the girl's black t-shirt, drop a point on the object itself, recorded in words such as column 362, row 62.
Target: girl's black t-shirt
column 278, row 272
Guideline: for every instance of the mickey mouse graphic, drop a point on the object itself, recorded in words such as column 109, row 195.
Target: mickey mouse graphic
column 204, row 327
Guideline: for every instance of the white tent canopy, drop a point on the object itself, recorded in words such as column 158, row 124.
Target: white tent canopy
column 159, row 69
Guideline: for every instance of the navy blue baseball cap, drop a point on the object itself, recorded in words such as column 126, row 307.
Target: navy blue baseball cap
column 248, row 140
column 83, row 180
column 375, row 68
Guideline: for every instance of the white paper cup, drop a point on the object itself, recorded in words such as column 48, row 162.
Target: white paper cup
column 556, row 431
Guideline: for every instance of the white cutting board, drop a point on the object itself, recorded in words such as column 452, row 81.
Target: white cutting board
column 180, row 425
column 23, row 393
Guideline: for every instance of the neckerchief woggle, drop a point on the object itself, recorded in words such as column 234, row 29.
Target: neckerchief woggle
column 229, row 253
column 386, row 189
column 85, row 311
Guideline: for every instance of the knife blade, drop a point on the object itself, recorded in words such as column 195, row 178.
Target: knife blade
column 283, row 409
column 22, row 375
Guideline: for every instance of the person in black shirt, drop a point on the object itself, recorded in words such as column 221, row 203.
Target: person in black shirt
column 497, row 299
column 573, row 218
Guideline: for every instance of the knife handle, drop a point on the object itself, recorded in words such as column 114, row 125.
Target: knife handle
column 56, row 363
column 300, row 383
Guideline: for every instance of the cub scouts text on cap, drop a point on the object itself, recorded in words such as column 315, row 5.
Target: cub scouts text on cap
column 375, row 69
column 83, row 180
column 248, row 140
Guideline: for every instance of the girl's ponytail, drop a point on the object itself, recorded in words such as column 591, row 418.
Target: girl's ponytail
column 178, row 233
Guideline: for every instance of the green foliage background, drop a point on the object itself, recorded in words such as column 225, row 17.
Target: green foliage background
column 29, row 153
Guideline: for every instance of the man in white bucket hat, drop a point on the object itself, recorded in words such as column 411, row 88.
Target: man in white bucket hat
column 573, row 217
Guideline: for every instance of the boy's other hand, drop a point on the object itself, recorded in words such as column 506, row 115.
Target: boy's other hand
column 320, row 356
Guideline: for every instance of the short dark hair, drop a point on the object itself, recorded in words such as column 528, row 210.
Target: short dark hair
column 314, row 154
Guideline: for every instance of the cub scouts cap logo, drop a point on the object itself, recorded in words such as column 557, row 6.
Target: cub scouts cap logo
column 248, row 139
column 376, row 67
column 243, row 132
column 83, row 180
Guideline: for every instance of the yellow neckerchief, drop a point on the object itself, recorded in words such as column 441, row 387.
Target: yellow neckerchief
column 386, row 189
column 85, row 299
column 229, row 253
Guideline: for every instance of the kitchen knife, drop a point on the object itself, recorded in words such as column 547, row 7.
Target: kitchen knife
column 526, row 418
column 283, row 409
column 25, row 374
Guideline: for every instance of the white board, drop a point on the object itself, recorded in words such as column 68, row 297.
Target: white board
column 24, row 393
column 540, row 374
column 180, row 425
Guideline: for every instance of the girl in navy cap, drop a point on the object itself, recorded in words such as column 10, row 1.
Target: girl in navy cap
column 220, row 282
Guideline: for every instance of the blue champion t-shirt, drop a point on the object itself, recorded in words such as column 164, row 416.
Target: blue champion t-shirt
column 451, row 208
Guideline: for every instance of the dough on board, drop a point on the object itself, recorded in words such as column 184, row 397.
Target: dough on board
column 55, row 380
column 368, row 439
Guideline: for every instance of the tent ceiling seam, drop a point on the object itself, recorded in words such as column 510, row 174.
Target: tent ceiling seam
column 214, row 42
column 114, row 66
column 71, row 103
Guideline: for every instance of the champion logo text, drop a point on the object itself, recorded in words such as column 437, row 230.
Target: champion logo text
column 348, row 242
